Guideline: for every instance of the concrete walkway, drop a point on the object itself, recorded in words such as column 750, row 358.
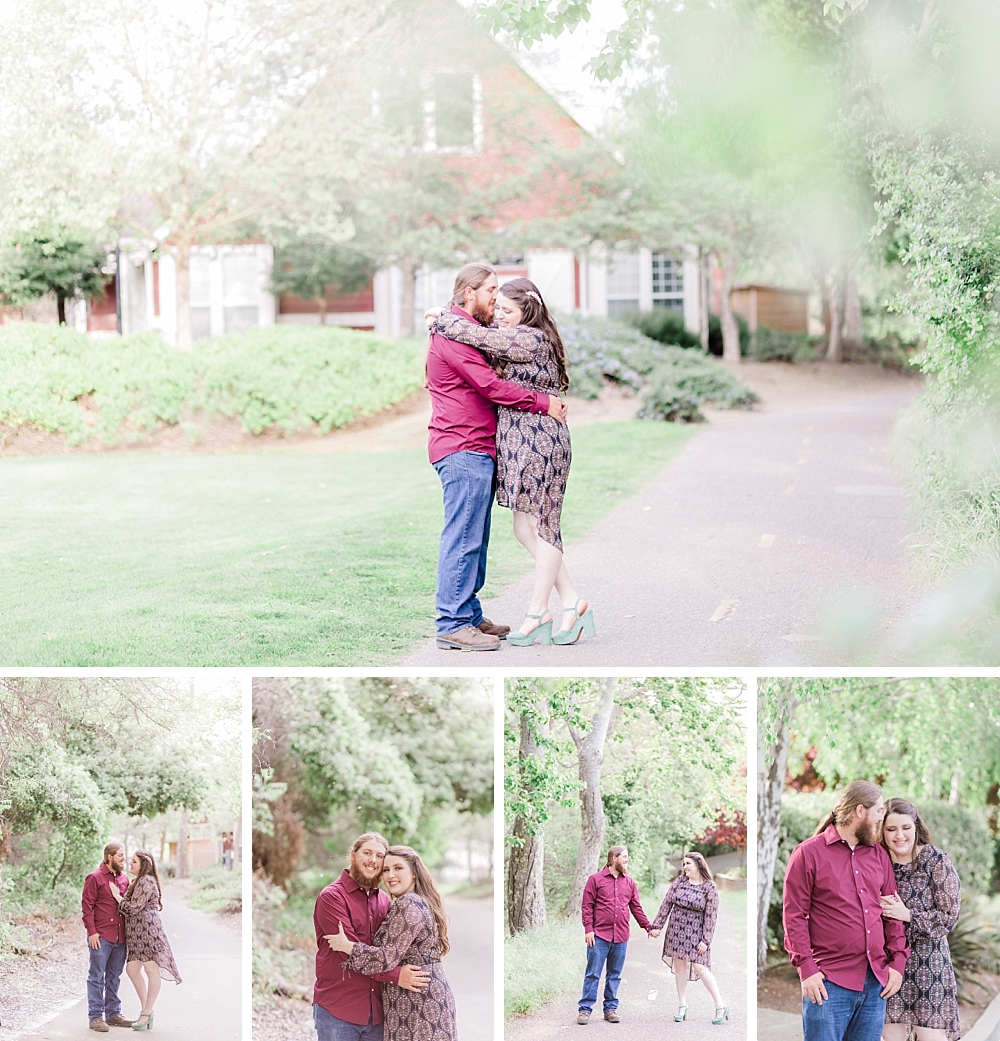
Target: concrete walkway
column 775, row 541
column 648, row 998
column 469, row 965
column 207, row 1006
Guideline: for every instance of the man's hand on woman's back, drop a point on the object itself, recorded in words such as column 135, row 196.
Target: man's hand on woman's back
column 412, row 977
column 557, row 408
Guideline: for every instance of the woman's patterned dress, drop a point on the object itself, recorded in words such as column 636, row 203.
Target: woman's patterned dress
column 930, row 889
column 408, row 936
column 533, row 451
column 692, row 911
column 145, row 936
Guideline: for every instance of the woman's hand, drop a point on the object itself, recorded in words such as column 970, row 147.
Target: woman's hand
column 893, row 907
column 655, row 933
column 115, row 892
column 702, row 947
column 430, row 316
column 339, row 942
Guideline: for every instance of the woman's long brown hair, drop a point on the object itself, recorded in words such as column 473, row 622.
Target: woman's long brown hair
column 701, row 864
column 147, row 866
column 423, row 885
column 534, row 313
column 921, row 833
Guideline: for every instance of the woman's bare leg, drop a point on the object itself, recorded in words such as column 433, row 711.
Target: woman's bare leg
column 681, row 979
column 546, row 557
column 706, row 977
column 134, row 970
column 153, row 976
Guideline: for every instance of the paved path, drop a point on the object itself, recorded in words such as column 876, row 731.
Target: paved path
column 648, row 998
column 469, row 965
column 775, row 541
column 207, row 1006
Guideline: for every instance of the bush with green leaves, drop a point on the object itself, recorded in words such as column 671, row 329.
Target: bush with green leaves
column 777, row 345
column 291, row 378
column 665, row 325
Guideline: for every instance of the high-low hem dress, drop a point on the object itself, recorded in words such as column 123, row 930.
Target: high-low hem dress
column 408, row 936
column 692, row 911
column 928, row 997
column 145, row 937
column 533, row 451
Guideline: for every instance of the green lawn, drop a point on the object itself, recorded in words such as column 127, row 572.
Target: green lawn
column 735, row 902
column 293, row 559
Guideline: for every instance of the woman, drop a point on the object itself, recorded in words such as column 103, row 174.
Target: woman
column 533, row 451
column 928, row 900
column 145, row 937
column 692, row 906
column 414, row 932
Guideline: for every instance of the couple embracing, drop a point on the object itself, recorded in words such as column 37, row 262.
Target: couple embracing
column 496, row 366
column 124, row 931
column 868, row 905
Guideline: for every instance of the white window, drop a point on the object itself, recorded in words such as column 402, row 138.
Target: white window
column 201, row 296
column 239, row 291
column 668, row 282
column 623, row 282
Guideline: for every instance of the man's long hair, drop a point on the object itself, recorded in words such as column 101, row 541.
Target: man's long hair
column 857, row 793
column 525, row 294
column 147, row 866
column 423, row 886
column 921, row 833
column 615, row 851
column 472, row 276
column 111, row 849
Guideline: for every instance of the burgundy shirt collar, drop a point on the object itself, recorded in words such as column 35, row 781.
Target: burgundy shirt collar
column 464, row 314
column 347, row 879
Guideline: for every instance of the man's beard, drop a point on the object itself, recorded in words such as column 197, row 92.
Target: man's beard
column 865, row 833
column 482, row 313
column 365, row 881
column 622, row 869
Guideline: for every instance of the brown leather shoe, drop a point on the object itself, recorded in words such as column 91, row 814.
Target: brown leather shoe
column 612, row 1016
column 119, row 1021
column 469, row 639
column 486, row 626
column 99, row 1025
column 583, row 1018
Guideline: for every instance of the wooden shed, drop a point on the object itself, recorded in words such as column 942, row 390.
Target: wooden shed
column 773, row 307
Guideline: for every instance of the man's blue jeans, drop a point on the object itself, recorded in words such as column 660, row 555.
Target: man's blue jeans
column 468, row 480
column 106, row 964
column 329, row 1028
column 848, row 1015
column 603, row 953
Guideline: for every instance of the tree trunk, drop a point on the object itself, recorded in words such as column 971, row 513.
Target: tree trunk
column 185, row 333
column 730, row 327
column 163, row 843
column 703, row 259
column 590, row 757
column 409, row 273
column 182, row 846
column 835, row 344
column 238, row 840
column 770, row 785
column 321, row 303
column 853, row 328
column 525, row 876
column 61, row 307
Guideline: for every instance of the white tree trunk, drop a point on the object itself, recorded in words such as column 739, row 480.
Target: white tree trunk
column 835, row 290
column 703, row 272
column 182, row 846
column 409, row 273
column 730, row 327
column 590, row 757
column 772, row 761
column 853, row 327
column 525, row 863
column 185, row 333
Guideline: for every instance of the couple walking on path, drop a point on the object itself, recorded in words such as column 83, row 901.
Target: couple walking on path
column 868, row 905
column 378, row 957
column 689, row 911
column 124, row 931
column 499, row 430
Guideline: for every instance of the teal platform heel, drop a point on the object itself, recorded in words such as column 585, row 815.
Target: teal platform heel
column 584, row 624
column 721, row 1015
column 543, row 630
column 682, row 1014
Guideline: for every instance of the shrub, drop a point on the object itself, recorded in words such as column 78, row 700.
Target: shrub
column 777, row 345
column 715, row 335
column 665, row 325
column 218, row 890
column 685, row 382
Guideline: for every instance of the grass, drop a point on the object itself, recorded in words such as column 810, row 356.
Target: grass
column 218, row 890
column 542, row 964
column 256, row 558
column 735, row 902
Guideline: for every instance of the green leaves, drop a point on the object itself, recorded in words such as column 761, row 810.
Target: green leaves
column 841, row 9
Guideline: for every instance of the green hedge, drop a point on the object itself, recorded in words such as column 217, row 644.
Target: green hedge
column 674, row 381
column 113, row 390
column 960, row 831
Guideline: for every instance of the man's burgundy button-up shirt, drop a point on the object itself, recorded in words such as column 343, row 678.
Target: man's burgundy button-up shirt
column 607, row 900
column 464, row 394
column 345, row 994
column 833, row 913
column 100, row 909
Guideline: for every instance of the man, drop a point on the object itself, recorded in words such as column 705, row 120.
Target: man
column 462, row 448
column 849, row 958
column 346, row 1005
column 106, row 937
column 608, row 897
column 227, row 850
